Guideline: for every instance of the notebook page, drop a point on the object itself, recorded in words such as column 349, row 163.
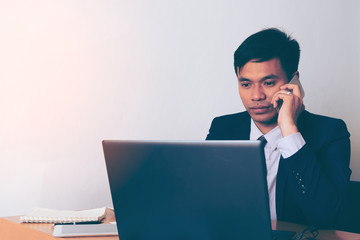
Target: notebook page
column 45, row 215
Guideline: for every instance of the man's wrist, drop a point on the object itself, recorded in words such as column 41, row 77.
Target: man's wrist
column 289, row 145
column 288, row 130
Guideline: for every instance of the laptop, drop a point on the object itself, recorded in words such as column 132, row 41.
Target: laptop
column 189, row 190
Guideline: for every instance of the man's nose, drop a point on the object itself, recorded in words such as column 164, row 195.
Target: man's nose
column 258, row 93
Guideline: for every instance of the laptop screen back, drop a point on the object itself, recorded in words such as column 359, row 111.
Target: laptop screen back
column 188, row 190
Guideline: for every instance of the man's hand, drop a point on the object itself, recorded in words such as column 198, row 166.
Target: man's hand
column 291, row 108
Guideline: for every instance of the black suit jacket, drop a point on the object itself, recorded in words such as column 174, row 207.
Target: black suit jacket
column 310, row 184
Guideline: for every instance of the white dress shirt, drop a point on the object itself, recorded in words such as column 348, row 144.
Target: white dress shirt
column 275, row 147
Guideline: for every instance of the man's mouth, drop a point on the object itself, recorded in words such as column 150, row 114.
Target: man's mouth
column 259, row 109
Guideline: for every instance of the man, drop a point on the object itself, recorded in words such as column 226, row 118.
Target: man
column 307, row 155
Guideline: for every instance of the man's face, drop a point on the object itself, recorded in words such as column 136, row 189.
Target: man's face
column 258, row 82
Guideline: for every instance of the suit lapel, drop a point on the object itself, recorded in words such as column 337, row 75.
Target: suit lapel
column 281, row 180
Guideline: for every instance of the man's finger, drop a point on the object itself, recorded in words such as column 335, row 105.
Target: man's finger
column 295, row 89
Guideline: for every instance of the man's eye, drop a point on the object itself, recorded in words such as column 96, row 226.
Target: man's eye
column 245, row 85
column 269, row 83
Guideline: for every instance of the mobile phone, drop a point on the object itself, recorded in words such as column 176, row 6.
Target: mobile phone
column 295, row 80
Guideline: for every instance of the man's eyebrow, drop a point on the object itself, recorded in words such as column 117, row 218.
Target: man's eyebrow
column 242, row 79
column 270, row 76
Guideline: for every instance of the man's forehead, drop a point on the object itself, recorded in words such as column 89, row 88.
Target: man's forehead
column 256, row 68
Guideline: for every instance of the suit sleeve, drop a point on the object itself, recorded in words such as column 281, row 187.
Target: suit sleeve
column 317, row 178
column 219, row 130
column 212, row 135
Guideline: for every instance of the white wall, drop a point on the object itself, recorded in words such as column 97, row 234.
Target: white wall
column 76, row 72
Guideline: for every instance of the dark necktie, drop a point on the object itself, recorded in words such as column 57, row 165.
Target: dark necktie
column 262, row 140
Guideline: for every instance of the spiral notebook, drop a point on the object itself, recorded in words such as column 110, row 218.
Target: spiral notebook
column 45, row 215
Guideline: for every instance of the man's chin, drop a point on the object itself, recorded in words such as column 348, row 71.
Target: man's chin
column 264, row 119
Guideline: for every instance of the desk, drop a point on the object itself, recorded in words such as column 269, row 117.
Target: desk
column 323, row 234
column 41, row 231
column 11, row 228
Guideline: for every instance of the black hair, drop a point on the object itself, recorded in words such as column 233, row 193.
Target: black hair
column 266, row 45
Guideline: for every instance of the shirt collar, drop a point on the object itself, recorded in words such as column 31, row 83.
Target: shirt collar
column 271, row 137
column 255, row 132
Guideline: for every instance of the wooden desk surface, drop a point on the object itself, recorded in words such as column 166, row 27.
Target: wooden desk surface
column 25, row 229
column 323, row 234
column 11, row 228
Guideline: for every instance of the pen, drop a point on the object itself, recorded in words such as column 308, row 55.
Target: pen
column 77, row 223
